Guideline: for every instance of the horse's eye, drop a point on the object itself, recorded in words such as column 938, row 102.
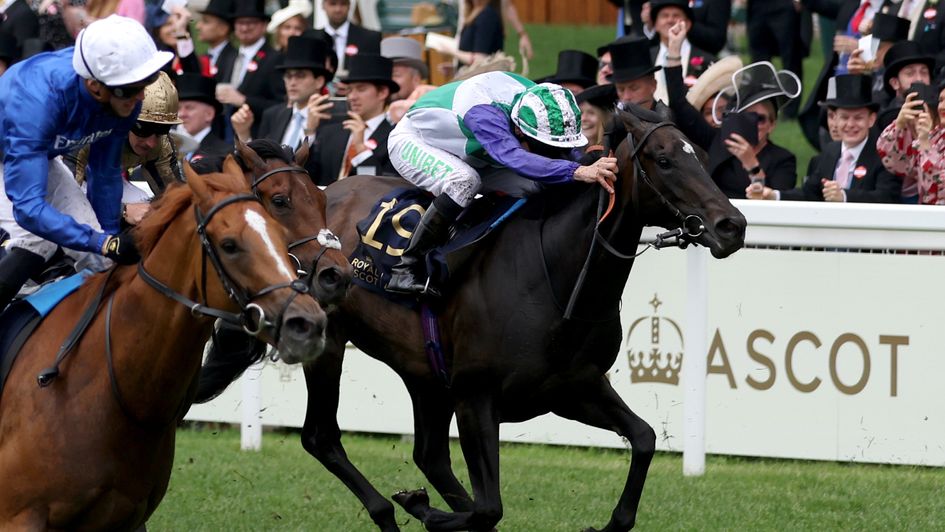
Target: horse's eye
column 663, row 162
column 229, row 246
column 280, row 201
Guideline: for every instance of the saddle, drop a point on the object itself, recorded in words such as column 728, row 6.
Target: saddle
column 386, row 231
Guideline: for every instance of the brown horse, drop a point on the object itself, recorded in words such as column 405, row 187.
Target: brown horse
column 511, row 353
column 94, row 448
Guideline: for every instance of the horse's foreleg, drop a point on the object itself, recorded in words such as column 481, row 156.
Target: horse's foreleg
column 479, row 436
column 600, row 406
column 321, row 436
column 432, row 412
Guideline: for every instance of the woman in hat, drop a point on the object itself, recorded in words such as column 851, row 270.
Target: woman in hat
column 290, row 21
column 595, row 103
column 913, row 148
column 704, row 94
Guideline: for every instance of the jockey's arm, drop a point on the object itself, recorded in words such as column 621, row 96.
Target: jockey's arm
column 493, row 129
column 104, row 182
column 25, row 171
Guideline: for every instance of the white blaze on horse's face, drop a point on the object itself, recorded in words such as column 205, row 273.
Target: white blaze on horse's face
column 686, row 147
column 258, row 224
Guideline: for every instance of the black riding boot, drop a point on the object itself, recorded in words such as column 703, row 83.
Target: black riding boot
column 409, row 276
column 16, row 266
column 231, row 352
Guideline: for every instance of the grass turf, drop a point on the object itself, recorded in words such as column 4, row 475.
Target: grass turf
column 215, row 486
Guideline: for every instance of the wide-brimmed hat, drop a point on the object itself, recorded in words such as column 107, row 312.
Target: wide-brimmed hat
column 890, row 27
column 249, row 9
column 901, row 54
column 296, row 8
column 307, row 53
column 371, row 68
column 760, row 82
column 222, row 9
column 657, row 5
column 405, row 51
column 715, row 79
column 603, row 96
column 850, row 91
column 631, row 60
column 196, row 87
column 575, row 66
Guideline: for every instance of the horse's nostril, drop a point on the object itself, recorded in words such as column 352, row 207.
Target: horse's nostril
column 302, row 327
column 729, row 228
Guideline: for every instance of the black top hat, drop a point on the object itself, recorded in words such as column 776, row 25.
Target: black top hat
column 606, row 48
column 890, row 27
column 657, row 5
column 329, row 41
column 371, row 68
column 199, row 88
column 901, row 54
column 853, row 91
column 9, row 51
column 307, row 52
column 631, row 60
column 603, row 96
column 575, row 66
column 220, row 9
column 249, row 8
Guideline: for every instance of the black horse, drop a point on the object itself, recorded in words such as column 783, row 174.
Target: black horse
column 511, row 353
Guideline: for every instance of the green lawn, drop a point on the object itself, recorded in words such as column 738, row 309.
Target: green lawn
column 548, row 40
column 216, row 487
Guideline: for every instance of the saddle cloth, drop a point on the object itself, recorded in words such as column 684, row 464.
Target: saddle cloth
column 385, row 233
column 21, row 318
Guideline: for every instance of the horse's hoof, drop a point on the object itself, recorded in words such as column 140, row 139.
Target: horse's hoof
column 416, row 502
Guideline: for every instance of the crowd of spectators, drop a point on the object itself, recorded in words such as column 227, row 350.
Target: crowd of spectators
column 246, row 70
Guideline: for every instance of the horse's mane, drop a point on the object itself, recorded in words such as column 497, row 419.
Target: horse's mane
column 267, row 149
column 176, row 198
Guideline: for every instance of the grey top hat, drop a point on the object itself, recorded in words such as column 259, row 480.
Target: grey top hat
column 405, row 51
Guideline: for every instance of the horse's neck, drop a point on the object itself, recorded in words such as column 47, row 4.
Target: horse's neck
column 163, row 342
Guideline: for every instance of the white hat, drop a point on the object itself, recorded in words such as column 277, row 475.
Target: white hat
column 405, row 51
column 117, row 51
column 294, row 9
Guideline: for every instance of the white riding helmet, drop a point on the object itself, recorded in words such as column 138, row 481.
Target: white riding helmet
column 549, row 114
column 117, row 51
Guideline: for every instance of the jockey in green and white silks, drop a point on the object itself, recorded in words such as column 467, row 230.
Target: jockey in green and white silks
column 494, row 131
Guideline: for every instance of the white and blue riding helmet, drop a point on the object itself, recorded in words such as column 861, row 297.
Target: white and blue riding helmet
column 549, row 114
column 117, row 51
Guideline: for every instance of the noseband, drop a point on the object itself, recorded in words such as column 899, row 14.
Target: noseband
column 252, row 318
column 326, row 239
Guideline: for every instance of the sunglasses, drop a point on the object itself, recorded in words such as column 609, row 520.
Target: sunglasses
column 146, row 129
column 126, row 92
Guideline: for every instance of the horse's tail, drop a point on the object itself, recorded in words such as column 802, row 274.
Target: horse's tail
column 231, row 352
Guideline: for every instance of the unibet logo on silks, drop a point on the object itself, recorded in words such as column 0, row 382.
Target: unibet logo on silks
column 423, row 161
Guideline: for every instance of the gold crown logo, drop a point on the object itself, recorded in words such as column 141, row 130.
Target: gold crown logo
column 652, row 363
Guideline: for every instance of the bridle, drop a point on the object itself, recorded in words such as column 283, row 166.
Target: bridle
column 691, row 226
column 325, row 238
column 252, row 318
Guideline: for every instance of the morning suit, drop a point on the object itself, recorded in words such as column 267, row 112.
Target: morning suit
column 263, row 87
column 870, row 182
column 328, row 153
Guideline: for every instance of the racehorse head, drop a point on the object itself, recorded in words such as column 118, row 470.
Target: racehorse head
column 669, row 186
column 238, row 258
column 290, row 196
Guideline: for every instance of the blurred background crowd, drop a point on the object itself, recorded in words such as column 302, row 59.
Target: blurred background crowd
column 818, row 100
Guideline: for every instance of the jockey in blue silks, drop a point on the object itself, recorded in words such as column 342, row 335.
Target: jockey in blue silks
column 55, row 103
column 495, row 131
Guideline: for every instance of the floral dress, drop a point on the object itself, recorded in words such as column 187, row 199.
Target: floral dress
column 922, row 171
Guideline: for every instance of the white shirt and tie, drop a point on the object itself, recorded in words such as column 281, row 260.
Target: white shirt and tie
column 371, row 126
column 215, row 51
column 244, row 57
column 340, row 36
column 294, row 132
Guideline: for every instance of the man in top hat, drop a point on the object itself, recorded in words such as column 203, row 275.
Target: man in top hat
column 887, row 31
column 349, row 39
column 252, row 77
column 903, row 65
column 848, row 170
column 214, row 28
column 198, row 109
column 633, row 74
column 410, row 70
column 305, row 75
column 669, row 14
column 576, row 71
column 359, row 144
column 926, row 26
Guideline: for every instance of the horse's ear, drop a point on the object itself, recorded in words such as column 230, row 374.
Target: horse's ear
column 630, row 121
column 301, row 154
column 249, row 156
column 197, row 183
column 664, row 112
column 230, row 166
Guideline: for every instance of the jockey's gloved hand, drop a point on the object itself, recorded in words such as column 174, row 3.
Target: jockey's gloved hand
column 121, row 248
